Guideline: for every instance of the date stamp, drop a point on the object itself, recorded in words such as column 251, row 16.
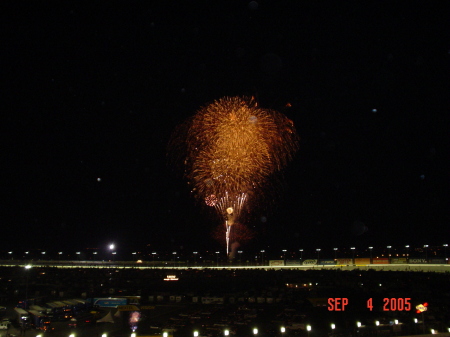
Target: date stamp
column 389, row 304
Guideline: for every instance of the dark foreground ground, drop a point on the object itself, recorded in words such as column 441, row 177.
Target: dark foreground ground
column 210, row 301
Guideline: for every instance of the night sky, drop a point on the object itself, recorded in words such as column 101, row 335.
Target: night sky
column 91, row 92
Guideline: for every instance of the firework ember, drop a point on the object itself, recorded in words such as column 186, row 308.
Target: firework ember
column 232, row 148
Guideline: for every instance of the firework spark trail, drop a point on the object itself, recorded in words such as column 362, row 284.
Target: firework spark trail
column 233, row 147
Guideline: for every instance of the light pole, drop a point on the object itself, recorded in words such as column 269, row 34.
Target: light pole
column 407, row 251
column 153, row 257
column 284, row 254
column 240, row 257
column 262, row 257
column 217, row 255
column 353, row 254
column 283, row 330
column 318, row 255
column 174, row 257
column 426, row 252
column 308, row 328
column 335, row 253
column 445, row 251
column 389, row 250
column 301, row 254
column 370, row 249
column 27, row 267
column 195, row 257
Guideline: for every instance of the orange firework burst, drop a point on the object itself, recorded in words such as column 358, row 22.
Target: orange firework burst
column 232, row 148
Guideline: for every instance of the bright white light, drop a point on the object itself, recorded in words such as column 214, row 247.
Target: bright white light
column 43, row 252
column 333, row 326
column 370, row 247
column 432, row 331
column 352, row 248
column 407, row 246
column 358, row 324
column 377, row 323
column 335, row 249
column 396, row 321
column 28, row 266
column 195, row 333
column 111, row 246
column 134, row 253
column 425, row 246
column 9, row 252
column 389, row 247
column 72, row 335
column 133, row 335
column 39, row 335
column 26, row 252
column 104, row 335
column 255, row 331
column 226, row 332
column 95, row 253
column 60, row 253
column 308, row 327
column 165, row 334
column 283, row 329
column 415, row 320
column 114, row 253
column 78, row 253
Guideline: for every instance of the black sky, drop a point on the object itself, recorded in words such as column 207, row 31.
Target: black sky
column 94, row 89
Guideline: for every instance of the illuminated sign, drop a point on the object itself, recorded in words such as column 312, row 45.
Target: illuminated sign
column 422, row 307
column 171, row 278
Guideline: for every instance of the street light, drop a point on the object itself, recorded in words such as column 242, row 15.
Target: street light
column 333, row 326
column 301, row 254
column 407, row 250
column 28, row 266
column 370, row 248
column 195, row 333
column 318, row 254
column 217, row 255
column 445, row 250
column 284, row 254
column 377, row 323
column 283, row 330
column 240, row 256
column 335, row 253
column 226, row 332
column 389, row 250
column 353, row 253
column 133, row 335
column 426, row 252
column 165, row 334
column 262, row 257
column 255, row 331
column 308, row 328
column 195, row 257
column 358, row 324
column 104, row 335
column 174, row 256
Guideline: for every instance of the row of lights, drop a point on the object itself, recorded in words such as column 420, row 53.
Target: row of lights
column 111, row 247
column 226, row 332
